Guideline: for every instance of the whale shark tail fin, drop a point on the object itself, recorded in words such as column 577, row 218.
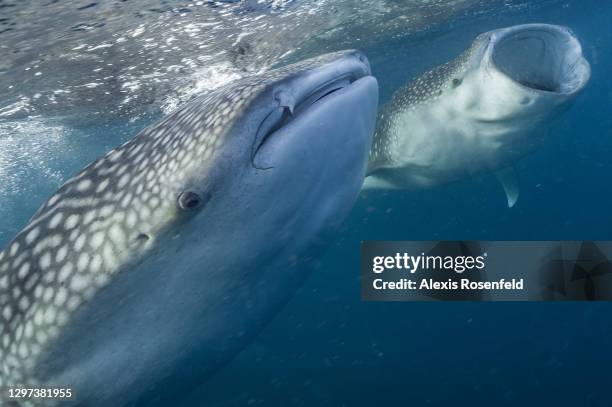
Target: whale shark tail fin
column 509, row 180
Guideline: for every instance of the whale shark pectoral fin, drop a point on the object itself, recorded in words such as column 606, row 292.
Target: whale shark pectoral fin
column 509, row 180
column 374, row 182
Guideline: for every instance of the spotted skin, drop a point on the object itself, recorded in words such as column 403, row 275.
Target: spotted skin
column 99, row 220
column 109, row 217
column 417, row 94
column 480, row 112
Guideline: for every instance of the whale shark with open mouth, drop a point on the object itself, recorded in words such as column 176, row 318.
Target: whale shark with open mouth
column 157, row 263
column 480, row 112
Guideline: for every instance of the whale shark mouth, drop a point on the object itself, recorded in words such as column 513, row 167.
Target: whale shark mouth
column 541, row 57
column 301, row 93
column 316, row 96
column 283, row 116
column 325, row 90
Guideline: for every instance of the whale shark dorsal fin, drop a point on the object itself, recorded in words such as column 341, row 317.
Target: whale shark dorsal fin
column 509, row 180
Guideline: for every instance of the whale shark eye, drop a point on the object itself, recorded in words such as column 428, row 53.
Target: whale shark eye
column 457, row 82
column 189, row 200
column 143, row 237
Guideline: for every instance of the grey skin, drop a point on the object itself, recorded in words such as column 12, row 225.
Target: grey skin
column 157, row 263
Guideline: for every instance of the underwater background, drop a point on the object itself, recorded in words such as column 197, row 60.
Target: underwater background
column 79, row 78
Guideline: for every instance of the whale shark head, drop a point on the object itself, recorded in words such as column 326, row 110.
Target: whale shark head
column 283, row 144
column 531, row 68
column 292, row 162
column 181, row 230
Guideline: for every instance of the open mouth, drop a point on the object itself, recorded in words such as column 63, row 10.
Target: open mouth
column 543, row 58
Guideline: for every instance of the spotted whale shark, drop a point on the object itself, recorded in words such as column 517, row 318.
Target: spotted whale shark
column 480, row 112
column 158, row 262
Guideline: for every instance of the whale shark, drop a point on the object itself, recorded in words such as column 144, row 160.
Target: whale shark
column 480, row 112
column 158, row 262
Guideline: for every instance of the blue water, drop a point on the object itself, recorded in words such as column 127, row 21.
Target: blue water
column 327, row 347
